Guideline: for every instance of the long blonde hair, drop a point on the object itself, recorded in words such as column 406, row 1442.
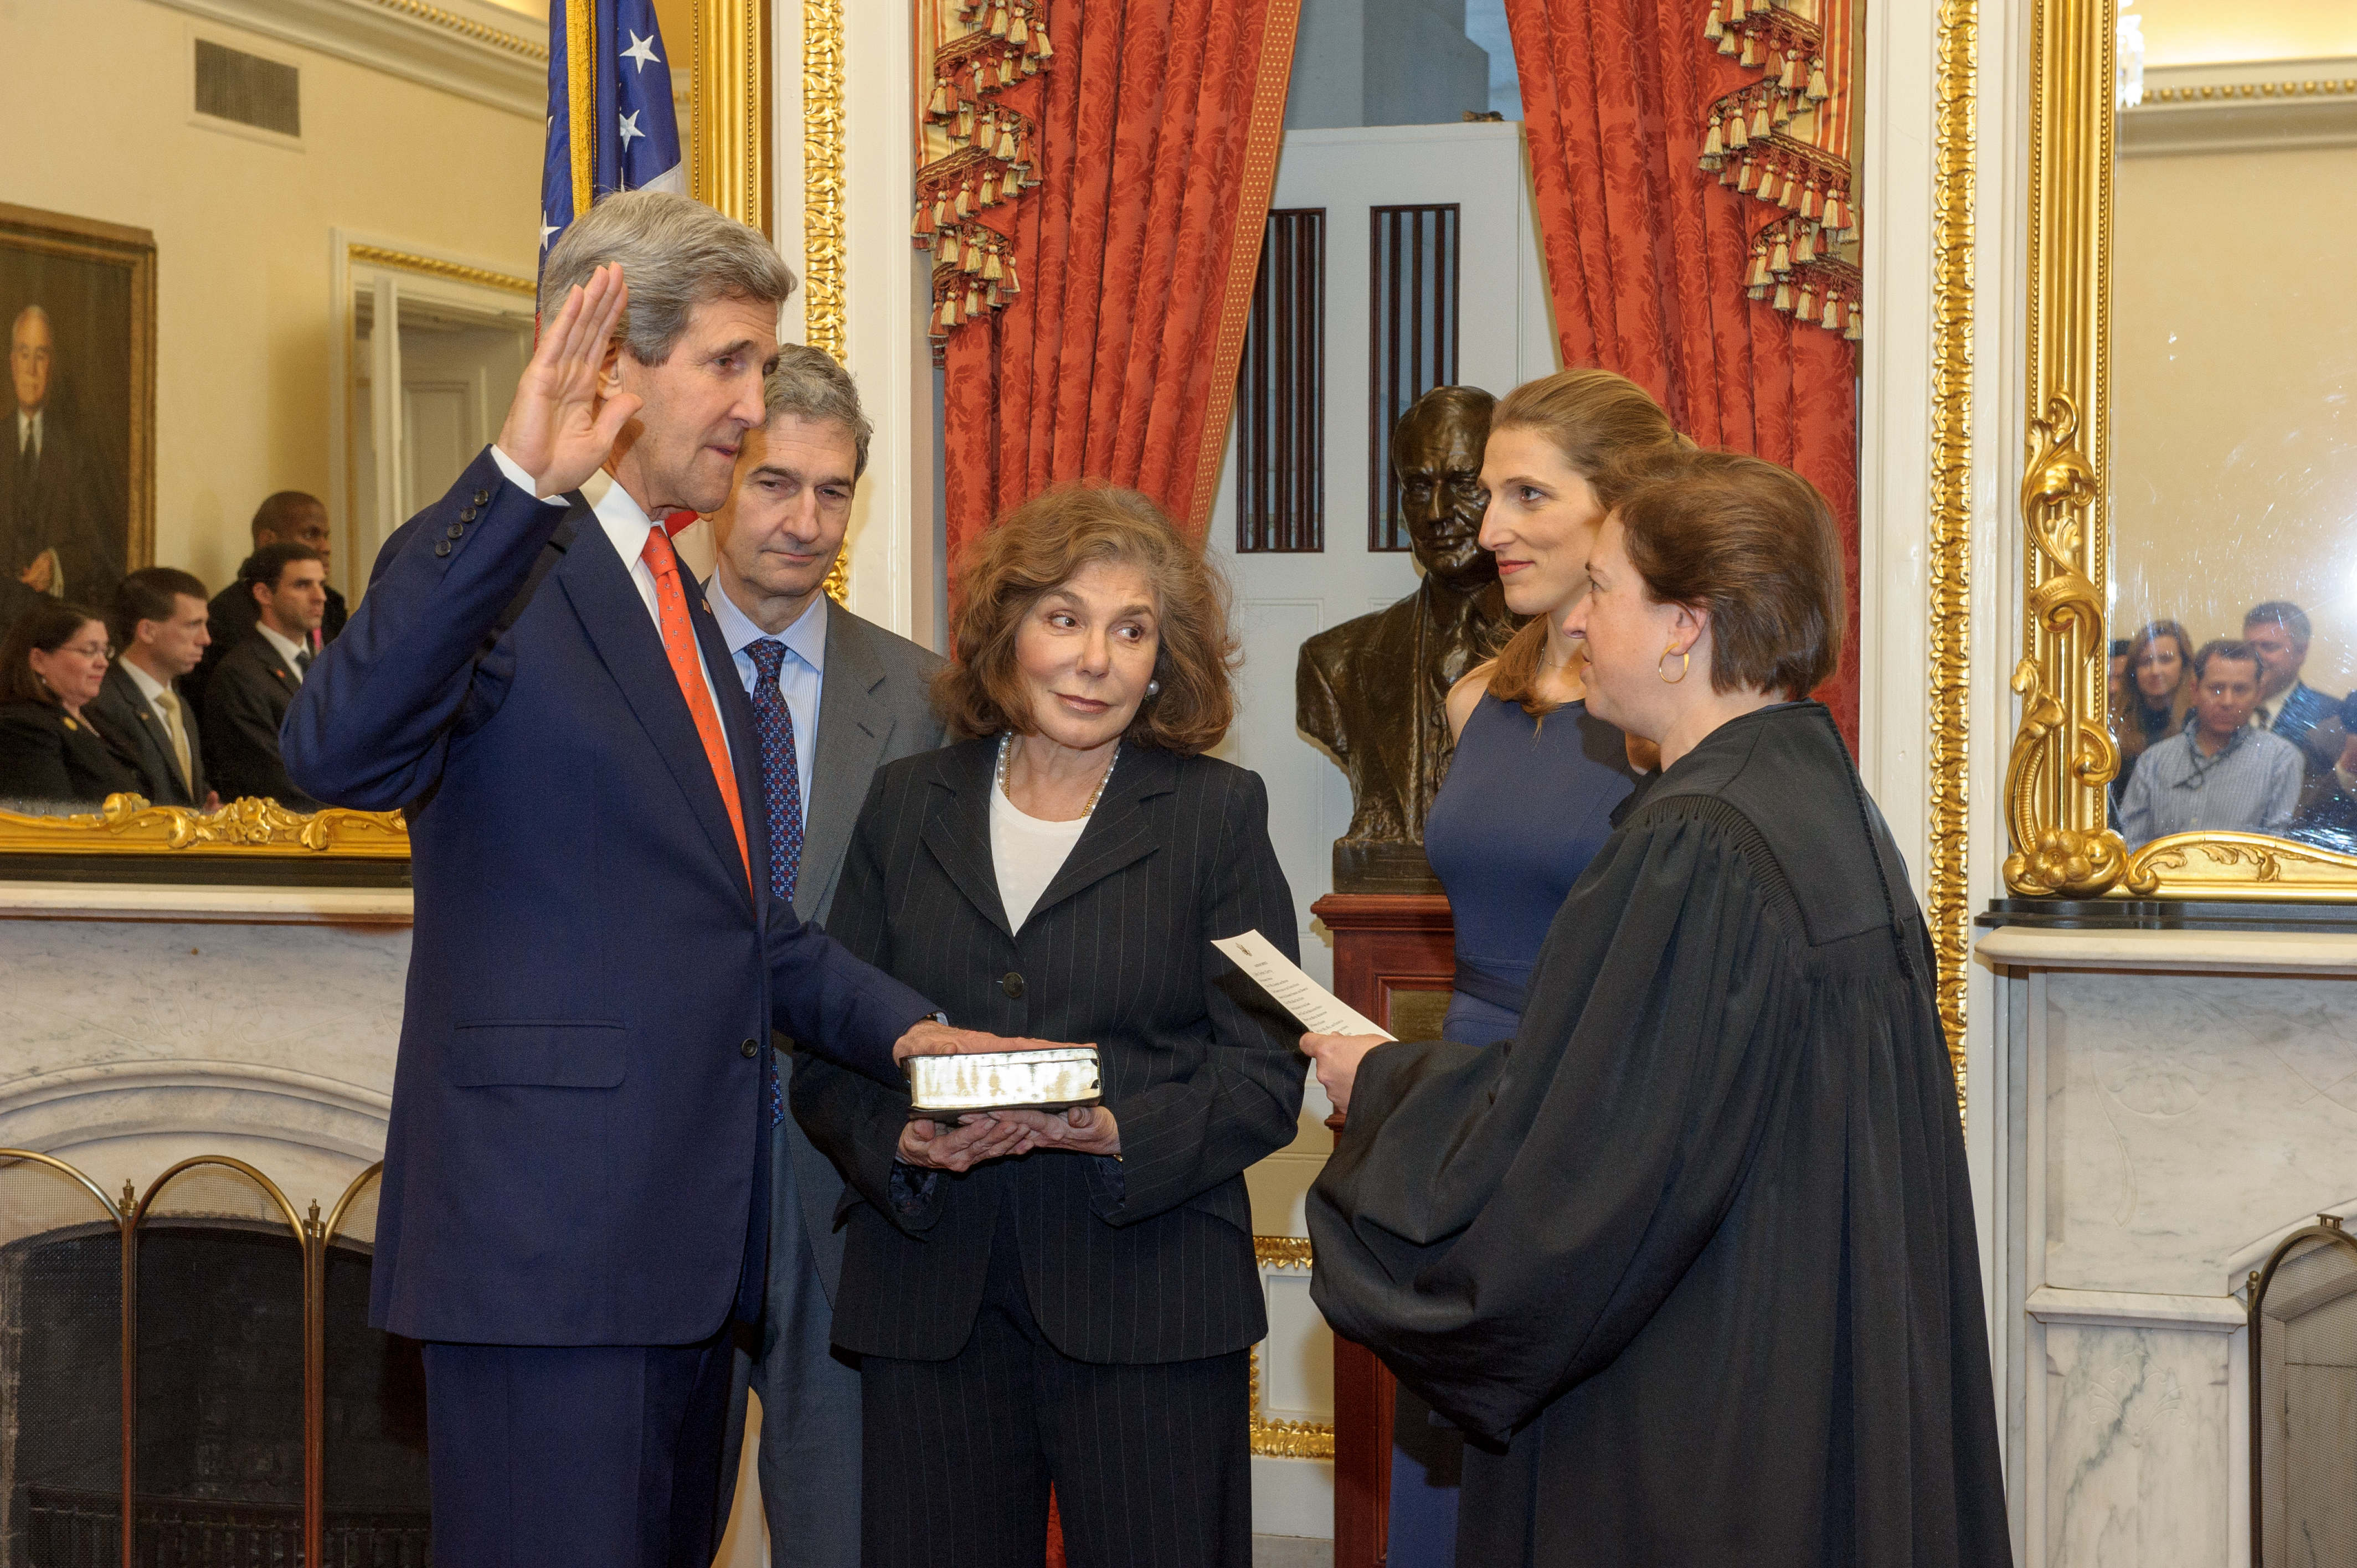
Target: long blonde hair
column 1599, row 422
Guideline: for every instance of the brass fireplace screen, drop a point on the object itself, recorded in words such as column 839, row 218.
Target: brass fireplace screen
column 187, row 1375
column 2303, row 1396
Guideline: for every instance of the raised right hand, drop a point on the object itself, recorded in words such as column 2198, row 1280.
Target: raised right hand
column 558, row 429
column 929, row 1144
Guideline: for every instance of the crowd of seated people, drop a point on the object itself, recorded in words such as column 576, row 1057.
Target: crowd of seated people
column 162, row 694
column 2227, row 738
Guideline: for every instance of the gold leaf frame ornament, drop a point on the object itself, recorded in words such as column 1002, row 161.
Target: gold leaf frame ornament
column 127, row 825
column 1274, row 1438
column 2064, row 755
column 1948, row 566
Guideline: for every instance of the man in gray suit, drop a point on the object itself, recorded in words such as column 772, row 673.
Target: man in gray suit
column 834, row 698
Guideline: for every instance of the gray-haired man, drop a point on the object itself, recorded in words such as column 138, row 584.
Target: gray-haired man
column 834, row 698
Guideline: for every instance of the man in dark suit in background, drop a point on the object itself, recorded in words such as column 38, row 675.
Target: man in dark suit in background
column 159, row 626
column 288, row 517
column 255, row 683
column 576, row 1168
column 834, row 697
column 62, row 516
column 2279, row 634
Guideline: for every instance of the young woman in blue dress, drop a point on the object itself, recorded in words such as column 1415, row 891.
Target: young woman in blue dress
column 1531, row 789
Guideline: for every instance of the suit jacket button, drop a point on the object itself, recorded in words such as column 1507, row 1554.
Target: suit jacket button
column 458, row 531
column 1011, row 983
column 466, row 514
column 482, row 498
column 749, row 1050
column 442, row 547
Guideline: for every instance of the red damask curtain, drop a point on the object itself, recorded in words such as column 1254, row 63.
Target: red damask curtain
column 1157, row 125
column 1651, row 258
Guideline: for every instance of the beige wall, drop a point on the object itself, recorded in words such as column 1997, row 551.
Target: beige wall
column 2205, row 32
column 99, row 102
column 2234, row 395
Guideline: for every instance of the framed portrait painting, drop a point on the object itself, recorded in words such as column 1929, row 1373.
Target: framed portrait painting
column 78, row 438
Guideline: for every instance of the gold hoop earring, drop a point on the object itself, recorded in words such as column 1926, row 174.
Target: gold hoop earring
column 1685, row 661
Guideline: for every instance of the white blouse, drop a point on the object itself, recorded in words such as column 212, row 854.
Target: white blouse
column 1026, row 854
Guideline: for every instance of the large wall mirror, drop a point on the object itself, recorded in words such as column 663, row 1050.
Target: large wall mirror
column 267, row 275
column 2193, row 477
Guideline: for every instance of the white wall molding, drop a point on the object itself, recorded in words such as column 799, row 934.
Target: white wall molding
column 471, row 47
column 55, row 1112
column 2269, row 105
column 206, row 905
column 2183, row 952
column 2136, row 1309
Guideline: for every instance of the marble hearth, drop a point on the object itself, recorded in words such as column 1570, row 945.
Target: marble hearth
column 2174, row 1104
column 145, row 1025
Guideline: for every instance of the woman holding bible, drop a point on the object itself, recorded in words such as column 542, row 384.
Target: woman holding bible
column 1066, row 1300
column 1691, row 1256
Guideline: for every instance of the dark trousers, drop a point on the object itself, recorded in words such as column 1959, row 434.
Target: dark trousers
column 563, row 1457
column 1152, row 1464
column 809, row 1391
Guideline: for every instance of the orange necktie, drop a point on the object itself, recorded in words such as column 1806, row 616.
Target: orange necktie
column 679, row 641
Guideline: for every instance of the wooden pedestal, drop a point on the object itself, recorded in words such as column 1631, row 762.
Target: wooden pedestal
column 1394, row 956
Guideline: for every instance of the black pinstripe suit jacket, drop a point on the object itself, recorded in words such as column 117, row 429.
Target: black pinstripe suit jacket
column 1149, row 1259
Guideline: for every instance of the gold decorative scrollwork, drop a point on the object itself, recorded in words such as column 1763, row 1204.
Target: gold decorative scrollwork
column 127, row 825
column 2060, row 755
column 1948, row 569
column 1285, row 1439
column 2064, row 755
column 825, row 320
column 1282, row 1251
column 2233, row 865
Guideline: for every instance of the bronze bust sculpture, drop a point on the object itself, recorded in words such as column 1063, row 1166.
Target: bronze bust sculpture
column 1373, row 691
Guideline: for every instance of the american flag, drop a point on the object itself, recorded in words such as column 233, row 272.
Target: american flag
column 610, row 123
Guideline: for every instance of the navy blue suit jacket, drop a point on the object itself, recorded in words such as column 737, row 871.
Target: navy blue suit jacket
column 576, row 1153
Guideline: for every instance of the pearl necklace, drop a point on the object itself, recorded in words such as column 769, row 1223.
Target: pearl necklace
column 1006, row 753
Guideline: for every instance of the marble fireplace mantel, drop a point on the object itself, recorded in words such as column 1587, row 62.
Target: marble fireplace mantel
column 2173, row 1104
column 148, row 1024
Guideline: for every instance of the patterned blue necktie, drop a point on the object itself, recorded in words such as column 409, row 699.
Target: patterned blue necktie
column 781, row 788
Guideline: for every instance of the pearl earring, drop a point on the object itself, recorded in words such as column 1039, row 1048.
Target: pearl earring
column 1154, row 688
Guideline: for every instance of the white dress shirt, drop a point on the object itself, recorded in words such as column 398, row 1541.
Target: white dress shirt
column 29, row 431
column 627, row 524
column 802, row 675
column 288, row 648
column 165, row 700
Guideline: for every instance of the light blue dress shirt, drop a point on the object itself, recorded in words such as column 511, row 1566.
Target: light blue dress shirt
column 800, row 674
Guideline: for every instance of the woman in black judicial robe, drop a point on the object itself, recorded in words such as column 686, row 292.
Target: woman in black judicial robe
column 1692, row 1256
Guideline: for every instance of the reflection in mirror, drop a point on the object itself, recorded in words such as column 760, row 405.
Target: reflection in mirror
column 200, row 471
column 2233, row 468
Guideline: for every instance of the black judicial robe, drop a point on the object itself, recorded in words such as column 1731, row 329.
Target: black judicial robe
column 1690, row 1257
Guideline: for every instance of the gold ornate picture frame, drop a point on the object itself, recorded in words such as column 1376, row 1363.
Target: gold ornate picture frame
column 2063, row 756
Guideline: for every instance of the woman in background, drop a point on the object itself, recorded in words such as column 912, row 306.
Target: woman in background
column 1531, row 790
column 1691, row 1255
column 2159, row 680
column 52, row 661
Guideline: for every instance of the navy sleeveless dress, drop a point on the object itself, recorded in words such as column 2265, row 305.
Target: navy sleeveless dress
column 1527, row 803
